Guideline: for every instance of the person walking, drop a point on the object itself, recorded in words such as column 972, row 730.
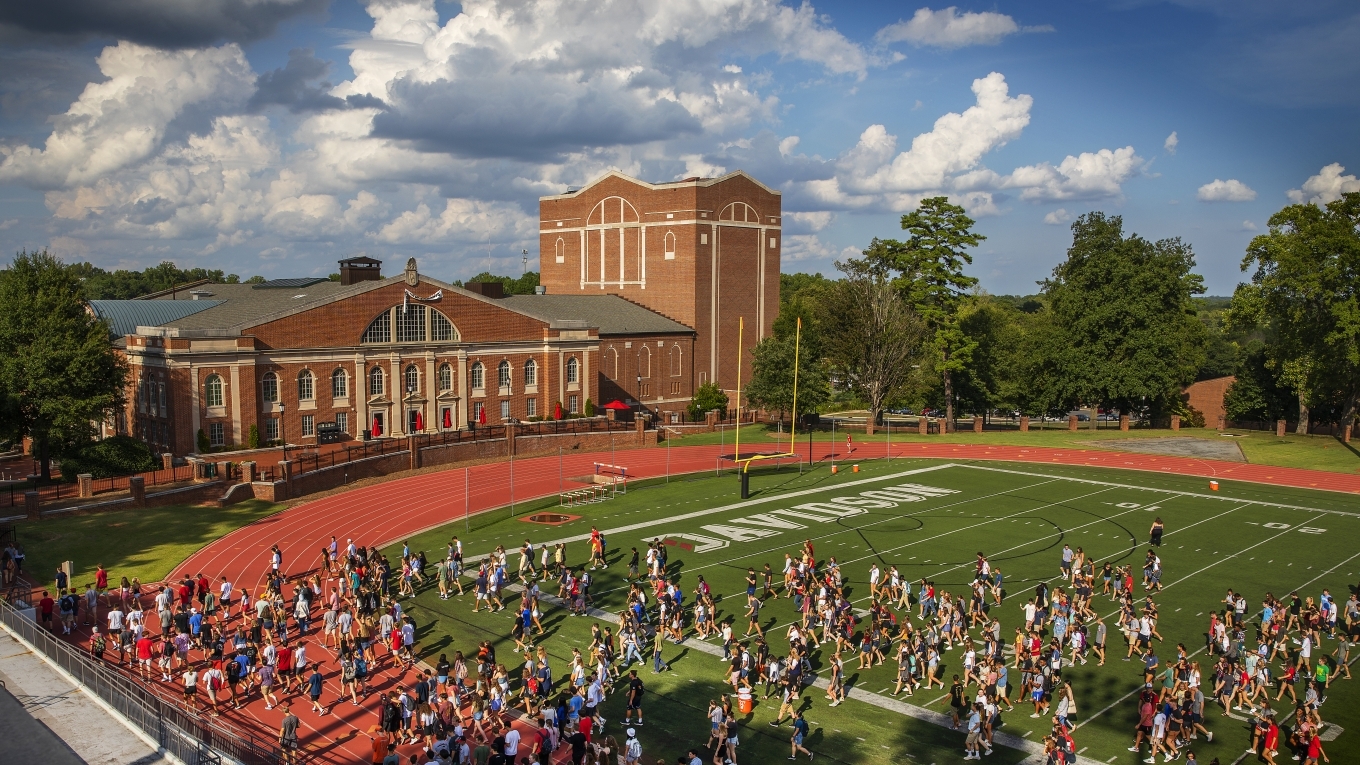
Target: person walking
column 800, row 734
column 288, row 735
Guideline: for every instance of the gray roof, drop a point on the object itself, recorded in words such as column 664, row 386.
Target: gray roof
column 125, row 316
column 611, row 313
column 241, row 304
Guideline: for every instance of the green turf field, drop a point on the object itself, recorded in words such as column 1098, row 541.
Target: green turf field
column 1251, row 538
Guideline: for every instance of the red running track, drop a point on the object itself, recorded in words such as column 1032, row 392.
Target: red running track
column 386, row 513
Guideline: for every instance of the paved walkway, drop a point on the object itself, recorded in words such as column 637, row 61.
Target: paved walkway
column 46, row 719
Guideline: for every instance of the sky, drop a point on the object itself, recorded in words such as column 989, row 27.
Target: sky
column 275, row 137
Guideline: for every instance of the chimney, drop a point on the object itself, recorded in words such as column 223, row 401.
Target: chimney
column 493, row 290
column 360, row 269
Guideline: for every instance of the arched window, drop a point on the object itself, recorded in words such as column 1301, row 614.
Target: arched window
column 412, row 379
column 376, row 384
column 445, row 377
column 305, row 386
column 478, row 376
column 560, row 251
column 614, row 356
column 530, row 372
column 440, row 327
column 573, row 370
column 212, row 391
column 411, row 323
column 380, row 331
column 269, row 388
column 339, row 384
column 645, row 361
column 670, row 246
column 503, row 374
column 676, row 359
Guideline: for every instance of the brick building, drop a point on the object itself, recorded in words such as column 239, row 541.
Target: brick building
column 702, row 251
column 293, row 357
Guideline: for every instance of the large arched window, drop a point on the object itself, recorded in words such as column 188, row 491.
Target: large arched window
column 212, row 391
column 269, row 388
column 339, row 384
column 503, row 374
column 376, row 383
column 306, row 386
column 676, row 360
column 530, row 372
column 573, row 370
column 412, row 380
column 380, row 331
column 445, row 377
column 478, row 376
column 440, row 326
column 411, row 324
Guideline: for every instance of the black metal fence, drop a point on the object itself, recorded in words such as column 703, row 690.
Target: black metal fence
column 193, row 738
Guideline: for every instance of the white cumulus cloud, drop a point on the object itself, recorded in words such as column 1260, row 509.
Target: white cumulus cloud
column 1171, row 143
column 1058, row 217
column 1327, row 186
column 947, row 28
column 1231, row 190
column 1089, row 175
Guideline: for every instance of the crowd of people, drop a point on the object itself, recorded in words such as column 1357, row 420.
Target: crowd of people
column 223, row 645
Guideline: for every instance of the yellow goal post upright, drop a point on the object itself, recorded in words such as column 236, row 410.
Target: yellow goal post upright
column 793, row 428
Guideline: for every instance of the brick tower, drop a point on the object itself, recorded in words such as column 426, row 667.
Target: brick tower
column 702, row 251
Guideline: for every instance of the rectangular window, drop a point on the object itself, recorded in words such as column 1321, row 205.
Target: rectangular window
column 646, row 390
column 160, row 394
column 531, row 407
column 308, row 424
column 340, row 384
column 217, row 434
column 411, row 324
column 342, row 422
column 675, row 389
column 271, row 430
column 305, row 386
column 772, row 245
column 572, row 404
column 703, row 239
column 505, row 410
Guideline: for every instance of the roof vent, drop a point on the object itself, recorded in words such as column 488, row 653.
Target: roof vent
column 199, row 294
column 540, row 290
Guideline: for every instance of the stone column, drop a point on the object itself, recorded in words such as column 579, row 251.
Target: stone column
column 31, row 505
column 1024, row 424
column 1072, row 422
column 86, row 485
column 137, row 488
column 977, row 423
column 1175, row 422
column 1279, row 428
column 1123, row 422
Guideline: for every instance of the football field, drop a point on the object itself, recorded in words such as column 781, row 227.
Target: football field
column 929, row 519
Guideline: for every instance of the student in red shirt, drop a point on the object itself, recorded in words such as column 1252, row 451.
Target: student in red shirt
column 1272, row 743
column 45, row 607
column 144, row 654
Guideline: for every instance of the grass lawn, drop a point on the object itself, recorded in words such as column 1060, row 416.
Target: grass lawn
column 1259, row 447
column 145, row 543
column 1251, row 538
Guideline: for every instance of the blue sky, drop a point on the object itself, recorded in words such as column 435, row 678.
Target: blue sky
column 276, row 136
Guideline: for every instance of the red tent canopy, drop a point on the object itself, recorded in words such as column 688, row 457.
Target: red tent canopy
column 618, row 406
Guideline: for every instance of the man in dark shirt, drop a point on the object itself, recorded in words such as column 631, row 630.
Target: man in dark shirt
column 635, row 689
column 578, row 743
column 288, row 740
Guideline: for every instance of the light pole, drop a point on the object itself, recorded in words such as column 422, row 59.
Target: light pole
column 410, row 394
column 283, row 429
column 525, row 258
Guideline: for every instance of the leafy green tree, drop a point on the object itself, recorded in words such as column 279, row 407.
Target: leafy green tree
column 1128, row 335
column 253, row 437
column 1258, row 393
column 773, row 363
column 1305, row 290
column 520, row 285
column 58, row 371
column 706, row 399
column 872, row 336
column 99, row 284
column 930, row 275
column 589, row 408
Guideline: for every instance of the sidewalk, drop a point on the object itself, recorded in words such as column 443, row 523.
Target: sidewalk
column 44, row 718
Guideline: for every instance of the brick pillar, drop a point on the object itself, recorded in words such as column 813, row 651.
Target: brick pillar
column 609, row 414
column 31, row 505
column 286, row 474
column 869, row 426
column 1279, row 428
column 1222, row 422
column 1123, row 422
column 167, row 461
column 712, row 419
column 1071, row 422
column 1024, row 424
column 248, row 472
column 1175, row 422
column 86, row 482
column 137, row 487
column 922, row 425
column 977, row 423
column 413, row 448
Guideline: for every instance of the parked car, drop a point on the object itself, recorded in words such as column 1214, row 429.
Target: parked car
column 1081, row 416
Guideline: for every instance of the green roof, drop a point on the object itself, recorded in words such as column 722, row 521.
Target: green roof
column 125, row 316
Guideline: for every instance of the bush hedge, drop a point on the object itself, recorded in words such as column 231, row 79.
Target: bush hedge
column 113, row 456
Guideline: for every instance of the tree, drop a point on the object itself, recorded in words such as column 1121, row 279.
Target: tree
column 707, row 398
column 1127, row 327
column 514, row 285
column 99, row 284
column 58, row 371
column 930, row 267
column 1258, row 393
column 773, row 363
column 872, row 336
column 1305, row 290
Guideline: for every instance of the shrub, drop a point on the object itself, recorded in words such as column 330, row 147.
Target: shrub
column 253, row 440
column 113, row 456
column 203, row 445
column 590, row 408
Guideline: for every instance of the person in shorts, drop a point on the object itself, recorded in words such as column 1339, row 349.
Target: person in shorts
column 288, row 735
column 190, row 678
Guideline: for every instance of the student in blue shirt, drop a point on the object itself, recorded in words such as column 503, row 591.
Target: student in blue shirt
column 800, row 733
